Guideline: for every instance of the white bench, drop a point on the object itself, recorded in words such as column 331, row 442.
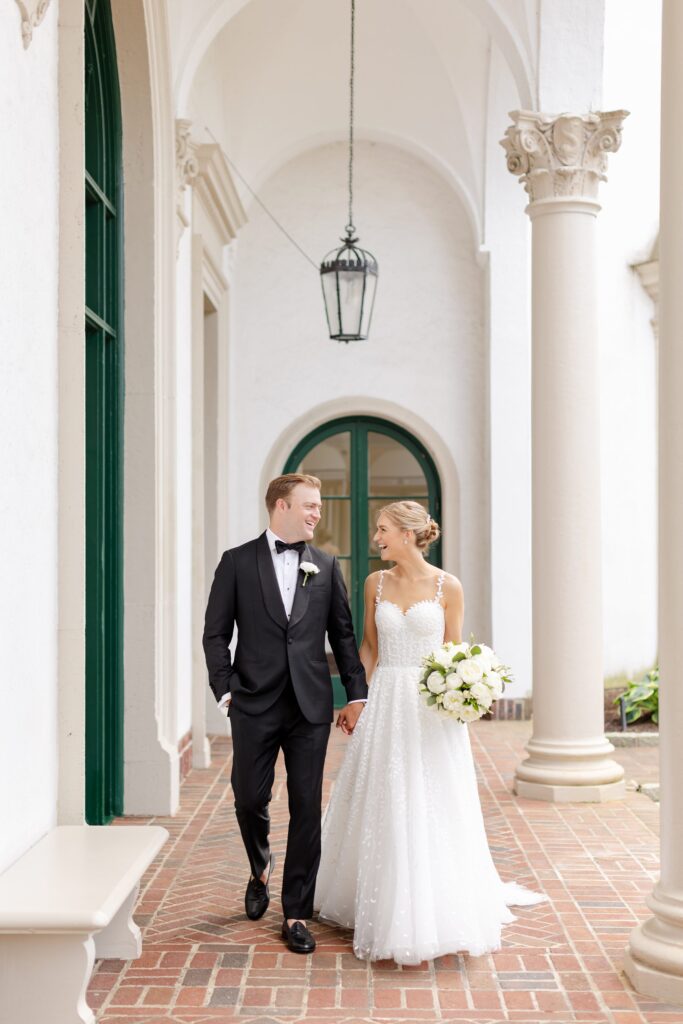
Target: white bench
column 67, row 900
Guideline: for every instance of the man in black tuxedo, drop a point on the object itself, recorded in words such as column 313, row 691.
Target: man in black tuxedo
column 283, row 596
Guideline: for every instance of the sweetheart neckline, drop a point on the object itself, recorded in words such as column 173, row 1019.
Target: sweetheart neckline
column 415, row 604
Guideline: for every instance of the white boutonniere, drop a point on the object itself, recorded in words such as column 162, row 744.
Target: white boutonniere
column 308, row 569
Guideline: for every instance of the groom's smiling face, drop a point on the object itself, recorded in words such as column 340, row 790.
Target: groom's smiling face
column 296, row 517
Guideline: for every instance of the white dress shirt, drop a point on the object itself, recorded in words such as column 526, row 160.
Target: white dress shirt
column 286, row 565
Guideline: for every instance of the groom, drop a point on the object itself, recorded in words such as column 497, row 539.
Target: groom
column 283, row 596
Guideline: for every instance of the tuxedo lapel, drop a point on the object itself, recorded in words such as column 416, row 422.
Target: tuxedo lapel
column 302, row 593
column 271, row 592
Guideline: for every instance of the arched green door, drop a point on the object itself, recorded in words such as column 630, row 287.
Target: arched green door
column 103, row 421
column 363, row 463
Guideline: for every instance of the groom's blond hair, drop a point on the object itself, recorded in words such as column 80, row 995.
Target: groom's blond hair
column 282, row 487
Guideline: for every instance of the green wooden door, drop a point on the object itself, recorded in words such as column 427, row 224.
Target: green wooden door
column 103, row 421
column 363, row 463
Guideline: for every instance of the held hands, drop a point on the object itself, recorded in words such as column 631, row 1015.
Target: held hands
column 348, row 717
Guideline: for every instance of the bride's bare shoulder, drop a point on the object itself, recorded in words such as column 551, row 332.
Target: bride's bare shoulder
column 372, row 582
column 452, row 587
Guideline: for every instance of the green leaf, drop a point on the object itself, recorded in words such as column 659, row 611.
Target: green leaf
column 431, row 700
column 640, row 692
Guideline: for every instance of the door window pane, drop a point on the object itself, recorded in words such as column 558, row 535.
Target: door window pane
column 375, row 564
column 393, row 470
column 333, row 532
column 330, row 461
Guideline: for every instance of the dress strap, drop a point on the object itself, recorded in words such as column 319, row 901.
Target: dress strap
column 439, row 587
column 380, row 583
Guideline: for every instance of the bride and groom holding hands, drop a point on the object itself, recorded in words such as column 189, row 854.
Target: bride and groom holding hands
column 404, row 822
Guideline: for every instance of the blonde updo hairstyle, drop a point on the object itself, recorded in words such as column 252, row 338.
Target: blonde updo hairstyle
column 410, row 515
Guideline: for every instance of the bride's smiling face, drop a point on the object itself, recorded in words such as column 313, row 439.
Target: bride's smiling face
column 390, row 538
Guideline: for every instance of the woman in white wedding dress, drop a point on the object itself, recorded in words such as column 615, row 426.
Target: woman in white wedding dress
column 405, row 860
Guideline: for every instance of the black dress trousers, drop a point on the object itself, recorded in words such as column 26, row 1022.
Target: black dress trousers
column 257, row 740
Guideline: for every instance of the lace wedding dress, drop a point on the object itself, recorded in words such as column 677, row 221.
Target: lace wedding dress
column 405, row 860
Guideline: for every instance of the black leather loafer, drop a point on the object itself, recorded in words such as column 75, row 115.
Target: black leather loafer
column 298, row 937
column 257, row 896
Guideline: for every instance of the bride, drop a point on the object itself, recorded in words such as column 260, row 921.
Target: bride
column 405, row 860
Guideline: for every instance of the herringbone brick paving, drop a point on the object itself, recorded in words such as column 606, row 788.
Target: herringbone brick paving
column 205, row 963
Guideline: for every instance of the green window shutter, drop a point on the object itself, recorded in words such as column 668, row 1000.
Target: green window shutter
column 103, row 421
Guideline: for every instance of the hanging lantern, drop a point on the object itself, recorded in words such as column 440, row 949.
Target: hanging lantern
column 349, row 280
column 349, row 274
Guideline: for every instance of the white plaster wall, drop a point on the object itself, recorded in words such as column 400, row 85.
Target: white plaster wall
column 570, row 55
column 627, row 227
column 28, row 432
column 426, row 349
column 507, row 238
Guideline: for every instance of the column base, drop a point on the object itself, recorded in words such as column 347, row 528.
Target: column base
column 654, row 956
column 567, row 771
column 569, row 794
column 649, row 981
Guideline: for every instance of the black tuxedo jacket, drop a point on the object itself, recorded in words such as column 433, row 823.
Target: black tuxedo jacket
column 270, row 648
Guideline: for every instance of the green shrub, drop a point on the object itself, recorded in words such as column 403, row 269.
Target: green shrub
column 641, row 698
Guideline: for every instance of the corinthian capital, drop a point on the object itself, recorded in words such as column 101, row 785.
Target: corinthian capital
column 563, row 155
column 186, row 167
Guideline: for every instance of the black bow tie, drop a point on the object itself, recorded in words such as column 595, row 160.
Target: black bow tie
column 299, row 546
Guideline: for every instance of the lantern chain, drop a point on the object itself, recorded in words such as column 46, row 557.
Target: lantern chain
column 350, row 227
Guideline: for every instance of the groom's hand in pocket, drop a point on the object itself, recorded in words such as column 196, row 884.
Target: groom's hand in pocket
column 349, row 715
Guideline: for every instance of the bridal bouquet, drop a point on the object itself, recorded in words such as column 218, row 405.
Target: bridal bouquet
column 463, row 680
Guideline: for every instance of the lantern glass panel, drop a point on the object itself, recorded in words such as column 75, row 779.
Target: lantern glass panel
column 368, row 303
column 351, row 292
column 329, row 283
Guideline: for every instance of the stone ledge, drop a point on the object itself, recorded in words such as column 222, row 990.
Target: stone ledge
column 633, row 739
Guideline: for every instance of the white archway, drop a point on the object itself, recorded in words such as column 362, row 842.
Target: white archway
column 216, row 14
column 413, row 147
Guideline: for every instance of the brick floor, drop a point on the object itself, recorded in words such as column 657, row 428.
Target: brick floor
column 204, row 962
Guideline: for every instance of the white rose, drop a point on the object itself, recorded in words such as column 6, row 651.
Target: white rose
column 482, row 694
column 469, row 671
column 444, row 657
column 309, row 568
column 459, row 649
column 453, row 681
column 485, row 660
column 452, row 700
column 436, row 682
column 495, row 683
column 468, row 713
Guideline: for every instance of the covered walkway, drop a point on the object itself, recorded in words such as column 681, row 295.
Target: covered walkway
column 204, row 962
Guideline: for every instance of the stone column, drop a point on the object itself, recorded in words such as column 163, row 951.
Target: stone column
column 654, row 958
column 561, row 161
